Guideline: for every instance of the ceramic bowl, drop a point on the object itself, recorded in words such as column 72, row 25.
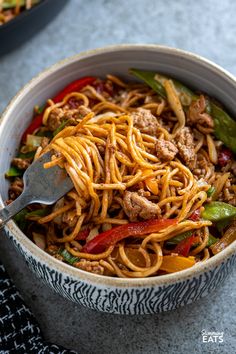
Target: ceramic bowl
column 114, row 295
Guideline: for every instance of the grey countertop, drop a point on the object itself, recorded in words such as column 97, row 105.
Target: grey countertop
column 204, row 27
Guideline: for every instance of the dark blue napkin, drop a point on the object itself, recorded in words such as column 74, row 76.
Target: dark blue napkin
column 19, row 330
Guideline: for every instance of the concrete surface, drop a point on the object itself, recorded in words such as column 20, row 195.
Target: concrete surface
column 204, row 27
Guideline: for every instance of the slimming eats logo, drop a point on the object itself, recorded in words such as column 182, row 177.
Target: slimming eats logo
column 212, row 337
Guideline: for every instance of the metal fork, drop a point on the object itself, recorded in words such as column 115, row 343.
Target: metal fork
column 40, row 186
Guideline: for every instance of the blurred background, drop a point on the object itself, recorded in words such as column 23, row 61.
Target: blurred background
column 207, row 28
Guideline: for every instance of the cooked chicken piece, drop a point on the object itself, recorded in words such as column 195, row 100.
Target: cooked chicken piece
column 166, row 150
column 138, row 207
column 185, row 145
column 145, row 121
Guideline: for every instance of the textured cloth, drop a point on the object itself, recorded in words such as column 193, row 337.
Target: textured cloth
column 19, row 330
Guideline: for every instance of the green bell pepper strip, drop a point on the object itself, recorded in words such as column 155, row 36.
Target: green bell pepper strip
column 39, row 212
column 27, row 155
column 20, row 218
column 61, row 126
column 217, row 211
column 211, row 240
column 149, row 78
column 222, row 224
column 211, row 191
column 68, row 257
column 47, row 134
column 14, row 172
column 224, row 125
column 9, row 4
column 24, row 214
column 175, row 240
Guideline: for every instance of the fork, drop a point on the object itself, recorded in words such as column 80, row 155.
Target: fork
column 41, row 185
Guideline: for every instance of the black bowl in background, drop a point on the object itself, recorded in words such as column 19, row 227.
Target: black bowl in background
column 25, row 25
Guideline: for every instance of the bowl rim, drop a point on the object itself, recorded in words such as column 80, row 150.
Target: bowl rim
column 77, row 273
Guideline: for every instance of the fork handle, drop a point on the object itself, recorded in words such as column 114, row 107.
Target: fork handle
column 12, row 209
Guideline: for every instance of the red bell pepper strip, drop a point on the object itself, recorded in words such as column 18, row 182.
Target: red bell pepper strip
column 195, row 216
column 184, row 246
column 74, row 86
column 82, row 235
column 35, row 124
column 110, row 237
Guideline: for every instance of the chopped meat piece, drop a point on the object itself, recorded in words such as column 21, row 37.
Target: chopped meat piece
column 166, row 150
column 55, row 118
column 197, row 114
column 137, row 206
column 16, row 188
column 53, row 250
column 228, row 194
column 199, row 173
column 58, row 115
column 185, row 144
column 22, row 164
column 90, row 266
column 145, row 121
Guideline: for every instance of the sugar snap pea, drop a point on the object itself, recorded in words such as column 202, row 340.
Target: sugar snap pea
column 224, row 125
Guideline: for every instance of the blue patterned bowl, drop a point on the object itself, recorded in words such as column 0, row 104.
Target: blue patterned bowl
column 121, row 296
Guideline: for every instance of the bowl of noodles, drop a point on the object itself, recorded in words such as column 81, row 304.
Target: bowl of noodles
column 146, row 134
column 21, row 19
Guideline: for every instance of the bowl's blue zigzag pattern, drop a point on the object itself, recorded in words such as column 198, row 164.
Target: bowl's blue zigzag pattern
column 137, row 300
